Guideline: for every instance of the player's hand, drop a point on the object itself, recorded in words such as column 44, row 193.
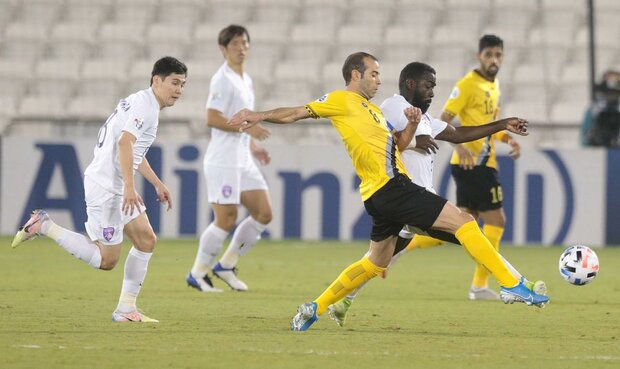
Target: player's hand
column 244, row 119
column 426, row 143
column 131, row 201
column 466, row 157
column 413, row 114
column 261, row 155
column 258, row 132
column 515, row 153
column 163, row 195
column 517, row 125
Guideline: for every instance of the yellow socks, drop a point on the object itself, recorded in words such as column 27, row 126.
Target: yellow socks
column 423, row 242
column 479, row 247
column 481, row 274
column 350, row 278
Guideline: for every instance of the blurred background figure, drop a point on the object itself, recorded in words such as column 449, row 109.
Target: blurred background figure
column 601, row 126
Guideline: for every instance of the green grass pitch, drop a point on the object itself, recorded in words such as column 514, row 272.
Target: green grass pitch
column 55, row 312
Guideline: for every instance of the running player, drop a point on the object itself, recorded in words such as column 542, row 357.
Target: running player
column 113, row 205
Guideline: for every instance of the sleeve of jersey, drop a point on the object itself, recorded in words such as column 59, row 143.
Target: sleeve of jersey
column 137, row 121
column 394, row 115
column 457, row 100
column 438, row 126
column 328, row 105
column 220, row 94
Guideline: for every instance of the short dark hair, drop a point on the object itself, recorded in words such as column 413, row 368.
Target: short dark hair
column 227, row 34
column 166, row 66
column 489, row 41
column 414, row 71
column 355, row 61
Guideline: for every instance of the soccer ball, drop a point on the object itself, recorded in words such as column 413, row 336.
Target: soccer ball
column 579, row 265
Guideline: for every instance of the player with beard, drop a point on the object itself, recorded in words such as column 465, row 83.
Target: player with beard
column 416, row 84
column 475, row 100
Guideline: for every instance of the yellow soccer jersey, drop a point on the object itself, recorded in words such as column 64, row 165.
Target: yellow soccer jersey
column 365, row 135
column 475, row 100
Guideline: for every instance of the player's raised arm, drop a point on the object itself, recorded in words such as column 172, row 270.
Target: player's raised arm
column 469, row 133
column 246, row 118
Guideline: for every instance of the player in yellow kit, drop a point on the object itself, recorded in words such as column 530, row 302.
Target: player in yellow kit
column 475, row 101
column 389, row 195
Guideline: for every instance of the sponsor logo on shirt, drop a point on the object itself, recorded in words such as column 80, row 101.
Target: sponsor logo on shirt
column 139, row 122
column 364, row 104
column 216, row 96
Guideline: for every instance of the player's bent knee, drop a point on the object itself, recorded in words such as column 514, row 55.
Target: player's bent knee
column 147, row 242
column 108, row 262
column 264, row 218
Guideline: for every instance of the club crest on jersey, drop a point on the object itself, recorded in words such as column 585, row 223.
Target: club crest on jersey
column 226, row 191
column 139, row 122
column 108, row 233
column 364, row 104
column 487, row 93
column 455, row 93
column 322, row 98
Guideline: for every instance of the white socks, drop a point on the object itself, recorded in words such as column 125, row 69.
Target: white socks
column 135, row 271
column 78, row 245
column 212, row 239
column 209, row 246
column 245, row 237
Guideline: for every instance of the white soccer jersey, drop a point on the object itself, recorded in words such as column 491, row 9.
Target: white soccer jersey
column 419, row 165
column 228, row 94
column 137, row 114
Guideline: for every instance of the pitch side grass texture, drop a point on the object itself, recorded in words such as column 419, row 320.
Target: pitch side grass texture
column 55, row 312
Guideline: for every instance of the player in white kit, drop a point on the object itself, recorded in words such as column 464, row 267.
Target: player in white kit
column 416, row 84
column 232, row 176
column 112, row 203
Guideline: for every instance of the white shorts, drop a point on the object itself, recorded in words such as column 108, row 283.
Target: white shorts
column 106, row 220
column 225, row 184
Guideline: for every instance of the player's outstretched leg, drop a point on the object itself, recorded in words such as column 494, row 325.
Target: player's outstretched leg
column 483, row 252
column 78, row 245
